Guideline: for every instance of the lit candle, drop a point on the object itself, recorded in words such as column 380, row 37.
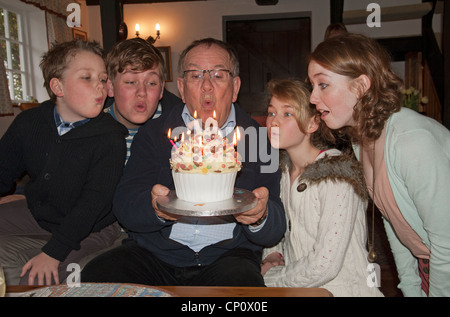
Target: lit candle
column 236, row 139
column 184, row 144
column 170, row 139
column 196, row 124
column 211, row 125
column 138, row 29
column 190, row 136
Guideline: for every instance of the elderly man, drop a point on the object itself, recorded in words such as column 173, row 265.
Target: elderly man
column 166, row 250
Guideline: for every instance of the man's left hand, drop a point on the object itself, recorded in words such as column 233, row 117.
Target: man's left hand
column 257, row 213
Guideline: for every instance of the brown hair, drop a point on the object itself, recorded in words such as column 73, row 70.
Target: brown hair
column 335, row 29
column 297, row 93
column 55, row 61
column 137, row 54
column 208, row 42
column 353, row 55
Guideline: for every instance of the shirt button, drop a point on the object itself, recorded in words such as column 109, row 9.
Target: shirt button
column 47, row 176
column 197, row 231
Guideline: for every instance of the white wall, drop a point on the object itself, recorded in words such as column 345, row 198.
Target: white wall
column 183, row 22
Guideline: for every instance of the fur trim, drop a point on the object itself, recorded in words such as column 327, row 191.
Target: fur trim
column 337, row 168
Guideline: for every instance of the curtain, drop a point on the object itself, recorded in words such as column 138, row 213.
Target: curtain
column 55, row 15
column 6, row 108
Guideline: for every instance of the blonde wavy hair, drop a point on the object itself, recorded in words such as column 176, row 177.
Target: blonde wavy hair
column 353, row 55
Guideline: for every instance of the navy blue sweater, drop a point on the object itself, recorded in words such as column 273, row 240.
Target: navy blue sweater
column 72, row 177
column 149, row 165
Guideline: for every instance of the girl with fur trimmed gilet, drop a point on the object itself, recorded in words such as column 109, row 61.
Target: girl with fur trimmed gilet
column 325, row 200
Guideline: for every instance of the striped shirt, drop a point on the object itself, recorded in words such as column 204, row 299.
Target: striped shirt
column 132, row 132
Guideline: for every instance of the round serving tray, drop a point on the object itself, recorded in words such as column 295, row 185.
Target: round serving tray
column 241, row 201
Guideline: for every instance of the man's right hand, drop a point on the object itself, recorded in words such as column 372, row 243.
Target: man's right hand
column 157, row 191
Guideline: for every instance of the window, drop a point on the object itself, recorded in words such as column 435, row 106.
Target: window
column 12, row 45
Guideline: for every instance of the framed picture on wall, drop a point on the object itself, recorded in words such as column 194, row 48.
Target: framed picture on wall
column 78, row 34
column 165, row 51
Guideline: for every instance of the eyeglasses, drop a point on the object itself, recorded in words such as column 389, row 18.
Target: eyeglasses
column 216, row 75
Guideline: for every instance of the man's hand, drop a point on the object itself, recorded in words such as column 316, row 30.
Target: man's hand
column 157, row 191
column 259, row 212
column 42, row 267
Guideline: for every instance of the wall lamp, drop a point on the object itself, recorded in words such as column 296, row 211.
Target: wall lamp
column 151, row 39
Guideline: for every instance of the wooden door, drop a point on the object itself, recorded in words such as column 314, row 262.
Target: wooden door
column 268, row 48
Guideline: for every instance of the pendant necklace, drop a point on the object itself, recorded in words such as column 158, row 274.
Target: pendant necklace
column 371, row 241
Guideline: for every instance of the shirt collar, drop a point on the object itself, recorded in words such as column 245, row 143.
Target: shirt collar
column 59, row 121
column 226, row 129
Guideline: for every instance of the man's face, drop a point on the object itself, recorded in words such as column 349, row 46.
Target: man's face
column 136, row 95
column 207, row 95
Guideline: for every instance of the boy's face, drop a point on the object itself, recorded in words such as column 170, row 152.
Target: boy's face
column 81, row 92
column 136, row 95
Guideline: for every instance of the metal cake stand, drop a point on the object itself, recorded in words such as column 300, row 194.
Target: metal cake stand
column 241, row 201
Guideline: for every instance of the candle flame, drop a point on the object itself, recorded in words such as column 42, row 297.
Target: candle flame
column 169, row 133
column 214, row 114
column 238, row 134
column 195, row 114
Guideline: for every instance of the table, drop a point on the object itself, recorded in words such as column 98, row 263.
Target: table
column 216, row 291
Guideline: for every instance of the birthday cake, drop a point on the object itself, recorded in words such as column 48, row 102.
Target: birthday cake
column 204, row 167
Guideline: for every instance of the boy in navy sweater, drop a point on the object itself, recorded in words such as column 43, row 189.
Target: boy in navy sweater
column 74, row 154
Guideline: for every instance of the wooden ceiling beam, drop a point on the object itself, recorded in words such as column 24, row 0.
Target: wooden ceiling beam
column 97, row 2
column 397, row 13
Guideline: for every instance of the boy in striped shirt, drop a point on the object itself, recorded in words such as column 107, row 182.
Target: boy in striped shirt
column 136, row 82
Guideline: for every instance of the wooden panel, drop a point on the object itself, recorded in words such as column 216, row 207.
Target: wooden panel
column 434, row 108
column 395, row 13
column 97, row 2
column 414, row 70
column 28, row 105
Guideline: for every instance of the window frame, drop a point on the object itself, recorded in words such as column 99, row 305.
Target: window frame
column 23, row 72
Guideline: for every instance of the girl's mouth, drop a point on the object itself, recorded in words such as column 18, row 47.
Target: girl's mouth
column 323, row 113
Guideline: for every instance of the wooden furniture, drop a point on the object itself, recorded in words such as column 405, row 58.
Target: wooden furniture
column 215, row 291
column 28, row 105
